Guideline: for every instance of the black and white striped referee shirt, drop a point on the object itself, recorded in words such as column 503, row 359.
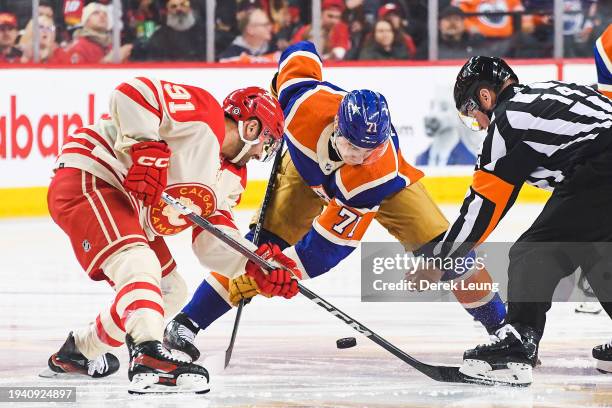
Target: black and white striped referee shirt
column 538, row 134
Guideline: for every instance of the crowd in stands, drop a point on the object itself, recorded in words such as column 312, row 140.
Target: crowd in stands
column 252, row 31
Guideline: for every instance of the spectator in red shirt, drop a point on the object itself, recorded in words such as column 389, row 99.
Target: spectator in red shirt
column 335, row 32
column 8, row 36
column 50, row 52
column 92, row 43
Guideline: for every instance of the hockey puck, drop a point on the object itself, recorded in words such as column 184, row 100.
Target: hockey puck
column 346, row 342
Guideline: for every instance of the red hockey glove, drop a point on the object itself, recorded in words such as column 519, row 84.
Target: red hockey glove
column 278, row 282
column 148, row 176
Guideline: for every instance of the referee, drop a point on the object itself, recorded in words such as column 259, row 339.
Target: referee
column 552, row 135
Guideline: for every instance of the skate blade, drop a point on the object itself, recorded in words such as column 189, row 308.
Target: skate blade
column 604, row 367
column 481, row 372
column 185, row 384
column 48, row 373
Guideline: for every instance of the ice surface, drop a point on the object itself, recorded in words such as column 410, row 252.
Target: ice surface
column 286, row 355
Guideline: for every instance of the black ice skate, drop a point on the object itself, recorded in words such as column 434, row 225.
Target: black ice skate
column 153, row 369
column 180, row 335
column 603, row 355
column 507, row 360
column 68, row 360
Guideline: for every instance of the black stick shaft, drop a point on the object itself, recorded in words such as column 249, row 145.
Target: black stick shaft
column 268, row 196
column 256, row 232
column 438, row 373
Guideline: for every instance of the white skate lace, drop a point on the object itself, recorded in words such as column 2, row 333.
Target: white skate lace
column 168, row 355
column 502, row 333
column 97, row 365
column 186, row 334
column 607, row 345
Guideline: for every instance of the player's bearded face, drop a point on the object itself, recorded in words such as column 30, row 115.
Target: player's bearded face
column 260, row 142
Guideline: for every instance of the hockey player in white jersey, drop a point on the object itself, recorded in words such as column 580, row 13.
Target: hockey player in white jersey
column 174, row 138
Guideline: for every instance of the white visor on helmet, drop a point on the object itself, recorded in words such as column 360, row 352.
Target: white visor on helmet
column 466, row 114
column 355, row 155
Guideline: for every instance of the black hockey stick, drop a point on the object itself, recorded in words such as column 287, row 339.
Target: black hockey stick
column 256, row 232
column 437, row 372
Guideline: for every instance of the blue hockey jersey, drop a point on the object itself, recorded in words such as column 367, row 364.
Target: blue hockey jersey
column 603, row 61
column 353, row 193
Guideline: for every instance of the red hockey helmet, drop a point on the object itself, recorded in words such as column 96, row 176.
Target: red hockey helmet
column 254, row 102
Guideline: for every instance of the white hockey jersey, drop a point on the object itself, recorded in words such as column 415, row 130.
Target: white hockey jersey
column 192, row 123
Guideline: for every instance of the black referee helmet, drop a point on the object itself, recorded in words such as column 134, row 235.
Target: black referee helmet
column 477, row 72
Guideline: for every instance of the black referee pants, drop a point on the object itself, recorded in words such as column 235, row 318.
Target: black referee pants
column 573, row 230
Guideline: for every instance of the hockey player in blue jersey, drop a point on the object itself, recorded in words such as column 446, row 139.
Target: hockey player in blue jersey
column 343, row 168
column 603, row 62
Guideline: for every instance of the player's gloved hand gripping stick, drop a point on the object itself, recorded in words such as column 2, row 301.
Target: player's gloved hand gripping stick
column 435, row 372
column 256, row 234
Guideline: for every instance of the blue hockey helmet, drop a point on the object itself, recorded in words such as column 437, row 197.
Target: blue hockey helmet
column 364, row 119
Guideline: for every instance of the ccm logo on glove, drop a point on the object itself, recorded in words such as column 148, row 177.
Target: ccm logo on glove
column 148, row 176
column 153, row 162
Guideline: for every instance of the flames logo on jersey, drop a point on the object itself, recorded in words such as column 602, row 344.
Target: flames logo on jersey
column 164, row 219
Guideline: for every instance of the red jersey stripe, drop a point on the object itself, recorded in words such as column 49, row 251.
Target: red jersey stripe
column 136, row 285
column 87, row 153
column 132, row 93
column 141, row 304
column 104, row 336
column 221, row 220
column 116, row 319
column 153, row 89
column 98, row 138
